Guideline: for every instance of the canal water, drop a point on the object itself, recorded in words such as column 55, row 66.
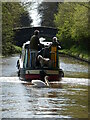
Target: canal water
column 67, row 98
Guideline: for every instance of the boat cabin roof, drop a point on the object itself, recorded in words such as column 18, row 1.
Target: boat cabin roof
column 26, row 45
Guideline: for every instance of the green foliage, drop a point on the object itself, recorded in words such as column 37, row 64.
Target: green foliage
column 12, row 16
column 72, row 20
column 16, row 49
column 47, row 11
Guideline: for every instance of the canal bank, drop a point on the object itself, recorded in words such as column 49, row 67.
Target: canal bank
column 77, row 55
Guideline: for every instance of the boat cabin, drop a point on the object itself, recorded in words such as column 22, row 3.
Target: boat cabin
column 35, row 65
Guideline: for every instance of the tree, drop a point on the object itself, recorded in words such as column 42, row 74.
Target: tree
column 64, row 21
column 12, row 16
column 72, row 22
column 47, row 11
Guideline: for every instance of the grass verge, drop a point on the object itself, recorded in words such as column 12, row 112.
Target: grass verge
column 77, row 53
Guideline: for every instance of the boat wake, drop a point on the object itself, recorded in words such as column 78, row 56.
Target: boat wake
column 81, row 81
column 11, row 80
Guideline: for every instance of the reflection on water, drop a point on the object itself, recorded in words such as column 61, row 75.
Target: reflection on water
column 73, row 67
column 65, row 99
column 9, row 66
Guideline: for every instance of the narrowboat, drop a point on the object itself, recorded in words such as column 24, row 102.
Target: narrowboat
column 28, row 70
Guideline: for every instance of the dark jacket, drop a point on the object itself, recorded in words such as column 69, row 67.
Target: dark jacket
column 34, row 41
